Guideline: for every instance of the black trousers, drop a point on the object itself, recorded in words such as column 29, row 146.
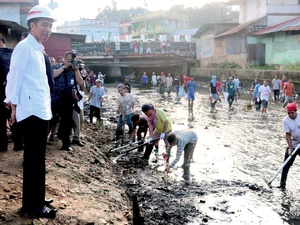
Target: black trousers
column 66, row 123
column 34, row 131
column 286, row 168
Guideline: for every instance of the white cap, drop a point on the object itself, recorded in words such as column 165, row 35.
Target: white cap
column 40, row 11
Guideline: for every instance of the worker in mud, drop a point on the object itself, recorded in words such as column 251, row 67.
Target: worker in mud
column 292, row 134
column 186, row 141
column 213, row 93
column 142, row 123
column 159, row 127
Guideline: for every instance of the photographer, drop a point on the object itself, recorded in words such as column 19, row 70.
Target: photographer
column 65, row 97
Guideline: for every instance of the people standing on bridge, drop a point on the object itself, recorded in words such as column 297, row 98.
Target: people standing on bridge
column 149, row 46
column 144, row 80
column 141, row 47
column 169, row 82
column 118, row 47
column 136, row 47
column 276, row 87
column 213, row 93
column 264, row 92
column 186, row 141
column 292, row 135
column 131, row 48
column 289, row 92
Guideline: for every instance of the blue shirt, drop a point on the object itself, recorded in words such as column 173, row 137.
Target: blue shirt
column 255, row 92
column 191, row 87
column 144, row 79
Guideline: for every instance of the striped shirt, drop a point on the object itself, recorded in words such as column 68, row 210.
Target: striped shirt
column 184, row 137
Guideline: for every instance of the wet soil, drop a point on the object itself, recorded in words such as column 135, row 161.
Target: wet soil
column 237, row 150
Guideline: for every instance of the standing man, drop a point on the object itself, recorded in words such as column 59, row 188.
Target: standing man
column 126, row 107
column 213, row 93
column 254, row 89
column 177, row 83
column 169, row 82
column 144, row 80
column 237, row 85
column 127, row 84
column 282, row 83
column 186, row 141
column 191, row 88
column 276, row 88
column 289, row 92
column 230, row 88
column 154, row 79
column 264, row 92
column 292, row 135
column 28, row 93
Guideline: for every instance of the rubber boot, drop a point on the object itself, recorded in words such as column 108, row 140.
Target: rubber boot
column 186, row 171
column 148, row 152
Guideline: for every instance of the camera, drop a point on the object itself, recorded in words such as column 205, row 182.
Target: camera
column 76, row 63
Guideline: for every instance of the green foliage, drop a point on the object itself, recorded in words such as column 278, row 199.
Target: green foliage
column 225, row 65
column 294, row 67
column 262, row 67
column 209, row 13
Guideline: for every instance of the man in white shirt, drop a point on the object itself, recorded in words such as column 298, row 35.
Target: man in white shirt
column 28, row 93
column 264, row 92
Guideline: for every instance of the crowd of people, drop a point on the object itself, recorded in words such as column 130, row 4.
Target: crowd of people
column 47, row 92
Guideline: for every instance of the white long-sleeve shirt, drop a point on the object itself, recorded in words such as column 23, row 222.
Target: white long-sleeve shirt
column 27, row 83
column 184, row 137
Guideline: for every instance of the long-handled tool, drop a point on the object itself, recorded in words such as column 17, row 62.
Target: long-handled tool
column 141, row 145
column 165, row 177
column 285, row 162
column 124, row 146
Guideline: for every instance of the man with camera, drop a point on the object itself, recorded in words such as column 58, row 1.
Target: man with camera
column 65, row 96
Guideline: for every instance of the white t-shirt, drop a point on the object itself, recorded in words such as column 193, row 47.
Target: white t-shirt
column 292, row 126
column 125, row 102
column 264, row 92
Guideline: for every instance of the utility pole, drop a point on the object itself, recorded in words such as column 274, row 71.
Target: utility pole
column 145, row 11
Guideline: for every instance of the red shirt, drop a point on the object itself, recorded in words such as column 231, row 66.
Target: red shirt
column 186, row 79
column 218, row 86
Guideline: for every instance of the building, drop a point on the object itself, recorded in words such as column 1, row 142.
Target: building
column 157, row 26
column 94, row 29
column 238, row 45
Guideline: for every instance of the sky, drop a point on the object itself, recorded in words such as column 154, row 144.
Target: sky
column 71, row 10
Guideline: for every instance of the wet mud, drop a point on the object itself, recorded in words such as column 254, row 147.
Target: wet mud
column 236, row 152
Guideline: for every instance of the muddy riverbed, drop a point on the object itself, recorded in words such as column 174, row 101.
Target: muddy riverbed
column 237, row 151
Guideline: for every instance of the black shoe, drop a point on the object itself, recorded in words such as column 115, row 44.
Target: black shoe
column 77, row 142
column 48, row 201
column 64, row 148
column 46, row 212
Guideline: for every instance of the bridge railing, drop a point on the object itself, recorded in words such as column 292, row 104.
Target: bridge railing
column 180, row 48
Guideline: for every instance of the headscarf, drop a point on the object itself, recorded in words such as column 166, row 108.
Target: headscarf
column 214, row 80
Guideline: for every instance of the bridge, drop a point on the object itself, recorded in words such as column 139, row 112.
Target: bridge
column 120, row 63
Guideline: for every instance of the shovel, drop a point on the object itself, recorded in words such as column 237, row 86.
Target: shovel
column 285, row 162
column 124, row 146
column 165, row 177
